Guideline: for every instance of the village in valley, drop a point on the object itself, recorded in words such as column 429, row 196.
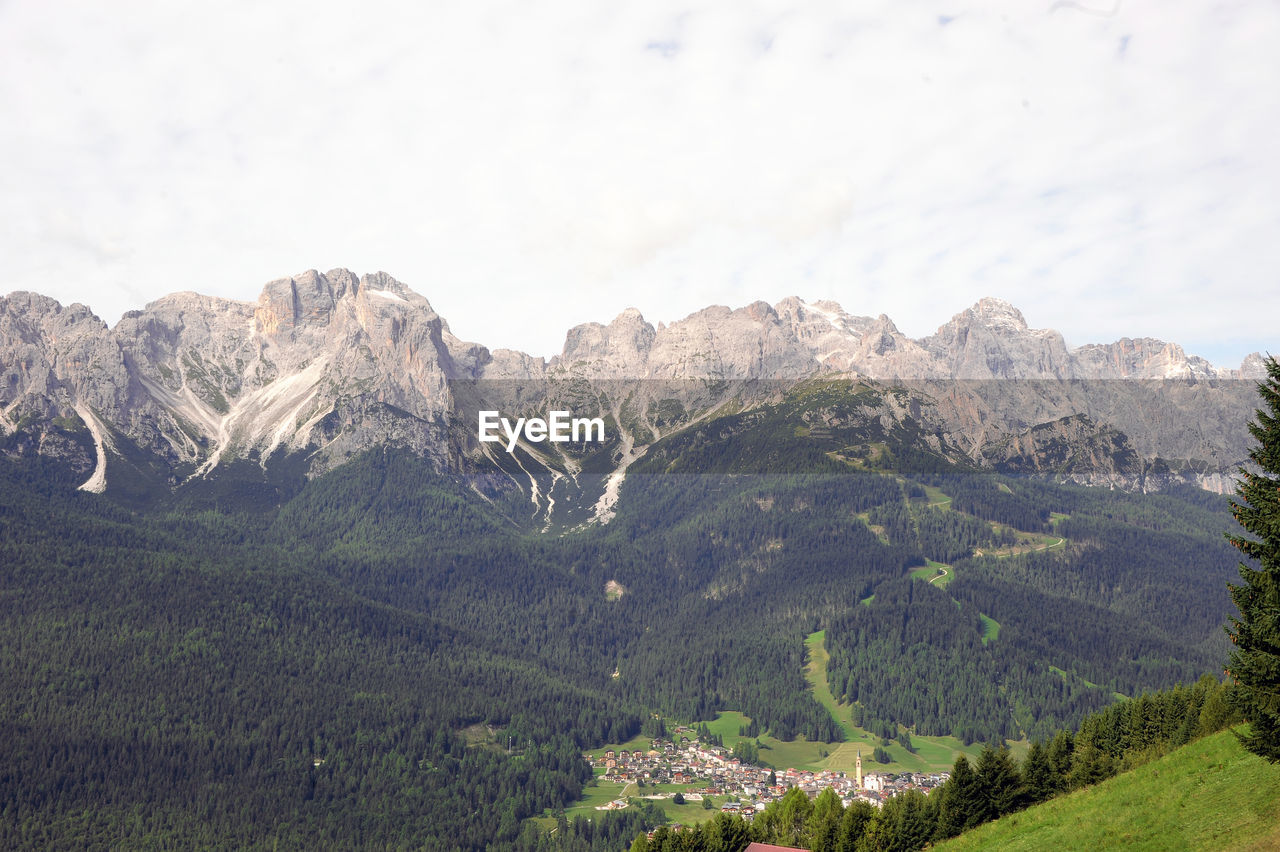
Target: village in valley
column 706, row 771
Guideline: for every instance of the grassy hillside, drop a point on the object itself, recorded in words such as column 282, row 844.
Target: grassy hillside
column 1210, row 794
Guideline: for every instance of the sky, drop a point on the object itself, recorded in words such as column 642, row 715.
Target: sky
column 1108, row 166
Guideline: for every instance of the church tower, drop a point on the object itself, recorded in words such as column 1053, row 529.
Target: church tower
column 858, row 767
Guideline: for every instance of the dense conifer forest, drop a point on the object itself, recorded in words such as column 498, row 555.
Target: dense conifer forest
column 388, row 656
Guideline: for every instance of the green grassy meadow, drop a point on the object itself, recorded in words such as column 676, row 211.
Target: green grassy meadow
column 1208, row 795
column 990, row 628
column 948, row 574
column 929, row 573
column 936, row 497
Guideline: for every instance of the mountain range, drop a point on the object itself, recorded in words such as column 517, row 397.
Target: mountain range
column 310, row 606
column 326, row 365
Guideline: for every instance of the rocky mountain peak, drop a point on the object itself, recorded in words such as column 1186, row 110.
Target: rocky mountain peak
column 308, row 300
column 331, row 364
column 719, row 342
column 619, row 348
column 761, row 312
column 884, row 324
column 884, row 352
column 35, row 311
column 994, row 312
column 1252, row 367
column 991, row 340
column 1142, row 358
column 814, row 319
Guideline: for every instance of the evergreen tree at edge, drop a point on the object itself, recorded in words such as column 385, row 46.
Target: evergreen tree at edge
column 1255, row 661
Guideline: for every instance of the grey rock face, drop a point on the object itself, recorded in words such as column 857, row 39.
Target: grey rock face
column 330, row 364
column 991, row 340
column 53, row 358
column 324, row 363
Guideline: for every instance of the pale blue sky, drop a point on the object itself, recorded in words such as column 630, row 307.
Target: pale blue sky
column 527, row 166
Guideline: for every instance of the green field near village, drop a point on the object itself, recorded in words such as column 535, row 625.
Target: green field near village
column 932, row 754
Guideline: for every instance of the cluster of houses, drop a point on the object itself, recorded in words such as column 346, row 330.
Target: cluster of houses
column 711, row 770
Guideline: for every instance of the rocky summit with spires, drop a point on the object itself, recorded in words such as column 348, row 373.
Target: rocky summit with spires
column 324, row 366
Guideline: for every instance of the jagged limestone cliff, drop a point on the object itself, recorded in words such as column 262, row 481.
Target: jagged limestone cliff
column 325, row 365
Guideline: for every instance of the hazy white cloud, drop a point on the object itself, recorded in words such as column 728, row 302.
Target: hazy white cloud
column 527, row 166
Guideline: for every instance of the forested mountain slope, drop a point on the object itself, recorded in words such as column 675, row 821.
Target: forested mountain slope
column 348, row 658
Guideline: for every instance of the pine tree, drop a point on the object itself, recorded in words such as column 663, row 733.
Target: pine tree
column 1002, row 785
column 1038, row 774
column 1091, row 762
column 1255, row 660
column 794, row 809
column 962, row 805
column 905, row 822
column 853, row 824
column 1061, row 750
column 823, row 825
